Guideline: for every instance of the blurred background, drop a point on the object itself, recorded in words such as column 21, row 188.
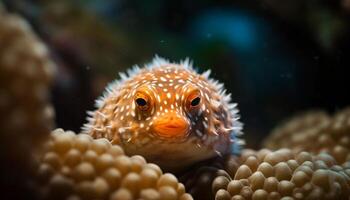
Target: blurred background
column 277, row 58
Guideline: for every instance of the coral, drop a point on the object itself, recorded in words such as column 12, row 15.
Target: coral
column 25, row 75
column 80, row 167
column 188, row 116
column 328, row 134
column 283, row 174
column 297, row 131
column 26, row 114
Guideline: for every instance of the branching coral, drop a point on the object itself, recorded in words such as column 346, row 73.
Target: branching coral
column 328, row 134
column 282, row 174
column 79, row 167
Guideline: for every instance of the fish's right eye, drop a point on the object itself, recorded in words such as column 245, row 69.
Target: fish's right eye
column 193, row 100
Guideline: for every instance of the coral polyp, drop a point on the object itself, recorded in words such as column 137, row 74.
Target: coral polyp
column 188, row 116
column 282, row 174
column 26, row 73
column 328, row 134
column 79, row 167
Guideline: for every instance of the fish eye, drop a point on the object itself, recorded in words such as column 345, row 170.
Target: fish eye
column 141, row 102
column 195, row 102
column 193, row 99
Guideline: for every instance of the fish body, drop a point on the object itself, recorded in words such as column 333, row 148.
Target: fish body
column 168, row 113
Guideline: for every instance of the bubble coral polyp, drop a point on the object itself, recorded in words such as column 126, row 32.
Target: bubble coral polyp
column 79, row 167
column 26, row 72
column 328, row 134
column 168, row 113
column 283, row 174
column 26, row 119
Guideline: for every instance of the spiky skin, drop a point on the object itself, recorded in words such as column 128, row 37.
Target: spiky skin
column 212, row 126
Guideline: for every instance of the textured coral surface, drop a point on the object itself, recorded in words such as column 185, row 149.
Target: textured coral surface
column 327, row 134
column 26, row 114
column 79, row 167
column 25, row 74
column 283, row 174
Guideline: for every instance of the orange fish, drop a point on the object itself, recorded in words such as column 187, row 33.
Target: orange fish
column 168, row 113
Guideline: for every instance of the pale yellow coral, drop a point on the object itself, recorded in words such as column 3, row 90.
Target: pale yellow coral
column 315, row 132
column 25, row 75
column 295, row 132
column 283, row 174
column 26, row 114
column 80, row 167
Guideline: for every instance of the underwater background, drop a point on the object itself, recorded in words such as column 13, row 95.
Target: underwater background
column 276, row 58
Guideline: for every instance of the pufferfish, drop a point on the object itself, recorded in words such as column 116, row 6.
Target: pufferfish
column 168, row 113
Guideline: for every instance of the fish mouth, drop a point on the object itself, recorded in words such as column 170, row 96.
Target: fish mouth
column 171, row 126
